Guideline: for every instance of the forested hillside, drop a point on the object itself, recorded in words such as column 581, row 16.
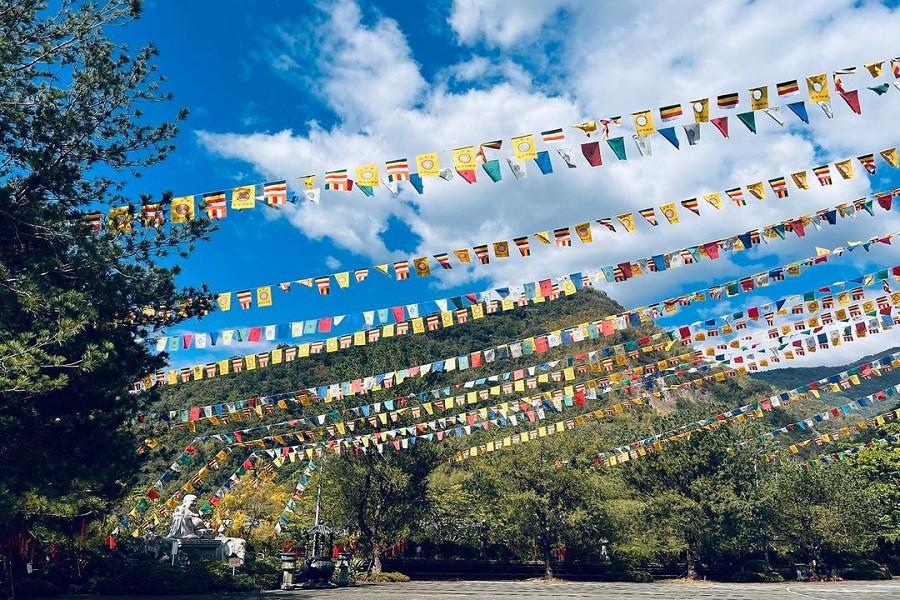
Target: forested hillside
column 715, row 493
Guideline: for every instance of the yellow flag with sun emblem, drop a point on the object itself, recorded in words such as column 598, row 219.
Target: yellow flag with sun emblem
column 367, row 175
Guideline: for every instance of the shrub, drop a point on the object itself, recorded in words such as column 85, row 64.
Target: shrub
column 757, row 571
column 866, row 569
column 161, row 578
column 384, row 577
column 36, row 588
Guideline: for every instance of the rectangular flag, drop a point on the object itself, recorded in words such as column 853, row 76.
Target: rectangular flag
column 428, row 164
column 243, row 197
column 464, row 158
column 275, row 192
column 553, row 136
column 398, row 170
column 668, row 113
column 214, row 205
column 182, row 209
column 728, row 100
column 337, row 180
column 788, row 88
column 367, row 175
column 701, row 110
column 524, row 147
column 643, row 123
column 818, row 88
column 759, row 98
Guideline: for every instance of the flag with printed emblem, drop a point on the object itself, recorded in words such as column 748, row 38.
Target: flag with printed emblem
column 422, row 266
column 670, row 212
column 243, row 197
column 524, row 147
column 890, row 156
column 845, row 168
column 182, row 209
column 627, row 221
column 264, row 296
column 583, row 230
column 800, row 180
column 701, row 110
column 758, row 190
column 501, row 249
column 367, row 175
column 428, row 164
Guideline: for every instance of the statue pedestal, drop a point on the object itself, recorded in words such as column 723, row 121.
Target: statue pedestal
column 188, row 550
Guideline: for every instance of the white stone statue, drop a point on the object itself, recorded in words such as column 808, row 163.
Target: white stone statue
column 186, row 524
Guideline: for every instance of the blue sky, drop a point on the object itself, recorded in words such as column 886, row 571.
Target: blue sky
column 287, row 88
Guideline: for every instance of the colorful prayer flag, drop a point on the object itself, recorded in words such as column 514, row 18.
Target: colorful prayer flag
column 553, row 136
column 668, row 113
column 264, row 296
column 823, row 174
column 650, row 215
column 737, row 195
column 758, row 189
column 800, row 180
column 337, row 180
column 692, row 205
column 398, row 169
column 275, row 192
column 627, row 221
column 422, row 266
column 464, row 158
column 788, row 88
column 818, row 88
column 522, row 244
column 214, row 205
column 868, row 162
column 563, row 237
column 670, row 212
column 779, row 187
column 890, row 156
column 728, row 101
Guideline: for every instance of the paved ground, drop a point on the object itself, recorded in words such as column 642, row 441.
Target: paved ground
column 488, row 590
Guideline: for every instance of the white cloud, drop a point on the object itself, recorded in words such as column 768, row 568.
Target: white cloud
column 501, row 23
column 644, row 58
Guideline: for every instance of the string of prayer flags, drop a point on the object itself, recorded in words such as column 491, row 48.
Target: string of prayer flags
column 287, row 355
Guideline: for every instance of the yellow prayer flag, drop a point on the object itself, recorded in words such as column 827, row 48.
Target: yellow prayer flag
column 119, row 218
column 759, row 98
column 428, row 164
column 464, row 158
column 800, row 180
column 670, row 212
column 818, row 88
column 224, row 301
column 845, row 168
column 243, row 197
column 250, row 361
column 875, row 69
column 583, row 230
column 418, row 325
column 890, row 156
column 367, row 175
column 643, row 123
column 477, row 311
column 309, row 182
column 342, row 278
column 264, row 296
column 715, row 199
column 223, row 366
column 182, row 209
column 758, row 189
column 447, row 318
column 627, row 221
column 524, row 147
column 331, row 344
column 701, row 110
column 422, row 266
column 359, row 338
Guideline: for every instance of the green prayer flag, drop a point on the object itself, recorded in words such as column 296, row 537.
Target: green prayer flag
column 618, row 146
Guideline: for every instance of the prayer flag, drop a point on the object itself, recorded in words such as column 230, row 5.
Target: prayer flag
column 214, row 205
column 243, row 197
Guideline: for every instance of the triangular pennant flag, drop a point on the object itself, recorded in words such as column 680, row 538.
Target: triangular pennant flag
column 884, row 87
column 543, row 162
column 416, row 180
column 799, row 109
column 591, row 151
column 669, row 134
column 468, row 175
column 890, row 156
column 568, row 155
column 446, row 174
column 392, row 186
column 368, row 190
column 618, row 146
column 517, row 168
column 643, row 144
column 692, row 132
column 748, row 119
column 492, row 168
column 826, row 108
column 852, row 100
column 775, row 113
column 721, row 124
